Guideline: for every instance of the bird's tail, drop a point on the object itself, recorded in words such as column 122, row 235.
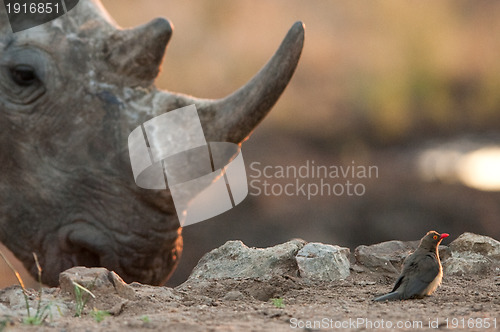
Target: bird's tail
column 388, row 297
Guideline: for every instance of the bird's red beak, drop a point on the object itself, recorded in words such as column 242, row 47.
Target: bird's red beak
column 444, row 235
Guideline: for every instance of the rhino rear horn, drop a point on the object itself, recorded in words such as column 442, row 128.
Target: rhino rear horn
column 233, row 118
column 137, row 53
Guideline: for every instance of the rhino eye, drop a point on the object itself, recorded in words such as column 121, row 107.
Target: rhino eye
column 23, row 75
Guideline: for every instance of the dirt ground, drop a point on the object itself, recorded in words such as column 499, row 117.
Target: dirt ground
column 461, row 303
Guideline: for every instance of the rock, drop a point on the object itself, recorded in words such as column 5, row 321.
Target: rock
column 386, row 256
column 165, row 293
column 262, row 292
column 324, row 262
column 233, row 296
column 13, row 303
column 235, row 260
column 357, row 268
column 472, row 254
column 6, row 312
column 96, row 280
column 480, row 244
column 365, row 283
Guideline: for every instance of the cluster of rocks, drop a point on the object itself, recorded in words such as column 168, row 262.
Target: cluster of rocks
column 294, row 258
column 468, row 254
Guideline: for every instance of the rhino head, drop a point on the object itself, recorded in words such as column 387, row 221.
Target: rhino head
column 71, row 91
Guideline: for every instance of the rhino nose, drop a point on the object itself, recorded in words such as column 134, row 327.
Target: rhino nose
column 87, row 246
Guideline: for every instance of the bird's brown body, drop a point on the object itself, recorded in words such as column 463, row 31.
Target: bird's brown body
column 422, row 271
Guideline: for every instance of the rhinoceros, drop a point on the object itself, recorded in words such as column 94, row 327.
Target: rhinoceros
column 71, row 91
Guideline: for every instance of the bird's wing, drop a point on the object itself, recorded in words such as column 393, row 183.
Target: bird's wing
column 388, row 297
column 420, row 273
column 398, row 283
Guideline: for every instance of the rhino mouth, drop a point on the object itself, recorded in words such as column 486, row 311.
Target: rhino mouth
column 132, row 256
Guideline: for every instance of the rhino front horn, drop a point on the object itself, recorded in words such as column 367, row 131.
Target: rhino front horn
column 233, row 118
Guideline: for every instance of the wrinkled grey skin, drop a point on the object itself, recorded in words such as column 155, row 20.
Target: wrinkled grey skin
column 71, row 91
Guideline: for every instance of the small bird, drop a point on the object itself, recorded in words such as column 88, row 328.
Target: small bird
column 422, row 271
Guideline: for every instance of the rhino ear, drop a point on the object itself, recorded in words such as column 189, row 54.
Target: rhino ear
column 137, row 53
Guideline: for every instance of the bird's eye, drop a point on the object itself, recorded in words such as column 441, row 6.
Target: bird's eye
column 435, row 237
column 23, row 75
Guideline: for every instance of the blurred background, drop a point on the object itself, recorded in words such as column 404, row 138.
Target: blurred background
column 410, row 87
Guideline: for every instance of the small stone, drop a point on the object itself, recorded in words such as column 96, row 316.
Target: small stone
column 233, row 296
column 356, row 268
column 117, row 308
column 318, row 261
column 365, row 283
column 262, row 292
column 96, row 280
